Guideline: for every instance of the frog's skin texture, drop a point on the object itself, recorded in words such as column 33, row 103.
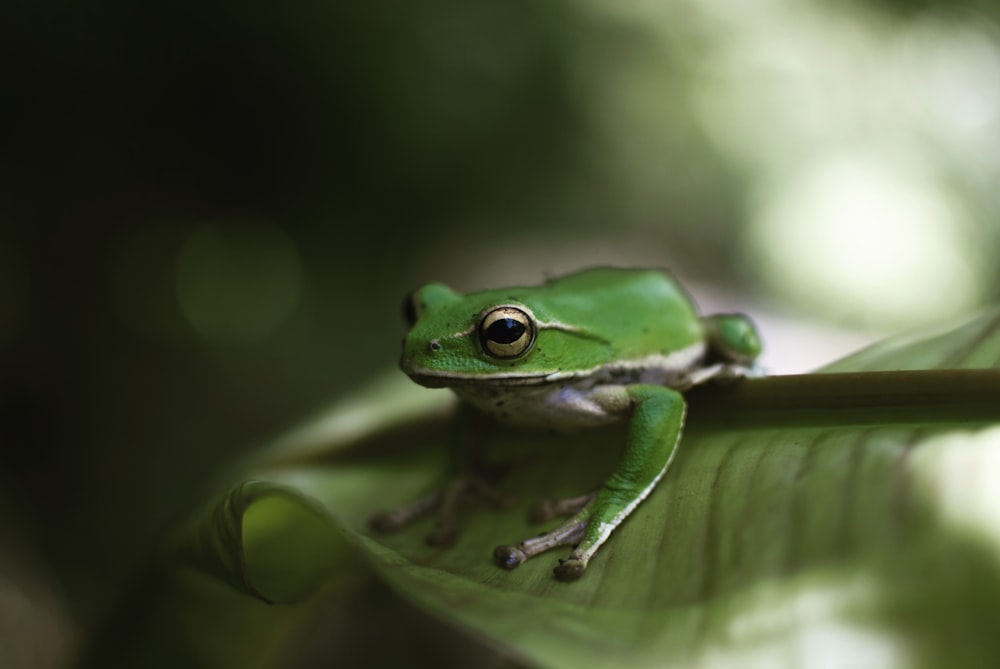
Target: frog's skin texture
column 591, row 348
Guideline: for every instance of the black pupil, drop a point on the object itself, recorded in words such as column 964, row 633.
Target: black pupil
column 505, row 331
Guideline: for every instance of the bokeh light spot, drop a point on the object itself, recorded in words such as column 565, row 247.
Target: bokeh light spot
column 868, row 238
column 238, row 282
column 951, row 62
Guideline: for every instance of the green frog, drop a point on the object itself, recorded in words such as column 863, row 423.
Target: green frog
column 591, row 348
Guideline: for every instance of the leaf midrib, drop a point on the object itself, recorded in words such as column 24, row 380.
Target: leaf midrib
column 967, row 396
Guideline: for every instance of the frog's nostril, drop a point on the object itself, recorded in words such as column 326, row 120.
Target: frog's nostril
column 433, row 346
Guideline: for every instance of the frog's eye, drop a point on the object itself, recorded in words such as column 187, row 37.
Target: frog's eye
column 506, row 332
column 411, row 309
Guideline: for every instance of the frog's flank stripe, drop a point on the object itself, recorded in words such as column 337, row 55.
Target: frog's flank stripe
column 678, row 361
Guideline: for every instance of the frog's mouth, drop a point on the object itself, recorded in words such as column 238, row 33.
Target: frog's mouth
column 433, row 379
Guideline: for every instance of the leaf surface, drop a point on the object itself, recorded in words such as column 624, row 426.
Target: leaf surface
column 844, row 519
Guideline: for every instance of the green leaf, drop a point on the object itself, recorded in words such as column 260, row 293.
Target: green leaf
column 845, row 518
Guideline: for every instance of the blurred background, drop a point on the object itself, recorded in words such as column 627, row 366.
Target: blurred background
column 209, row 213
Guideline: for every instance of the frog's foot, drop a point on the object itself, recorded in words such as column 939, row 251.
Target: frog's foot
column 570, row 568
column 576, row 532
column 458, row 493
column 596, row 517
column 567, row 534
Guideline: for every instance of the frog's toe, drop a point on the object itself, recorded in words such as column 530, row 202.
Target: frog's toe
column 509, row 557
column 570, row 569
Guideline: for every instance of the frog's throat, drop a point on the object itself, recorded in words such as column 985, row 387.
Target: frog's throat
column 676, row 363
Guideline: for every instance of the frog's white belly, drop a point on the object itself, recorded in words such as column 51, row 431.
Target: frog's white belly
column 560, row 406
column 563, row 405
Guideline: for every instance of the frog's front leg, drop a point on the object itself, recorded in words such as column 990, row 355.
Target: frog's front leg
column 657, row 418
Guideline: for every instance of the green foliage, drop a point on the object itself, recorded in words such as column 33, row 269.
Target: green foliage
column 863, row 531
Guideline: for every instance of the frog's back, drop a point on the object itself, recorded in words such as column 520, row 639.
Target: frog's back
column 643, row 311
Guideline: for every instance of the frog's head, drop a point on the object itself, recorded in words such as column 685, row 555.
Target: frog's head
column 484, row 338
